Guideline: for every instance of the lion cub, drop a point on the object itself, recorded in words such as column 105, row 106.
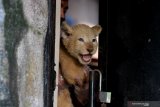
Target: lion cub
column 78, row 44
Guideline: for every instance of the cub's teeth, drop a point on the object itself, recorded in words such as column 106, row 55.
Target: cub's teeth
column 86, row 58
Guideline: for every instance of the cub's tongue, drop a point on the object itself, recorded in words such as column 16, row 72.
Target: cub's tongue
column 86, row 58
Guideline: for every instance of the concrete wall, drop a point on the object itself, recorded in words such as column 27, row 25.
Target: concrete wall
column 23, row 26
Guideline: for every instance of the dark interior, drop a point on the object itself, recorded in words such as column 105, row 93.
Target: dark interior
column 130, row 50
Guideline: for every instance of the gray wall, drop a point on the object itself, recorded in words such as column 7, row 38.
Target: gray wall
column 23, row 25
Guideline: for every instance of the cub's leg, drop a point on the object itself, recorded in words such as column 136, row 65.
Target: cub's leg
column 64, row 99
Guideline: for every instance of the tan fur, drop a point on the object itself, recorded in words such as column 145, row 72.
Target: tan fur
column 64, row 99
column 77, row 41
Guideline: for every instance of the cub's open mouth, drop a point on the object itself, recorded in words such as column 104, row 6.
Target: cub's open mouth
column 86, row 57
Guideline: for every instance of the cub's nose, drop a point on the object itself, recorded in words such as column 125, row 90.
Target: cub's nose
column 90, row 47
column 90, row 50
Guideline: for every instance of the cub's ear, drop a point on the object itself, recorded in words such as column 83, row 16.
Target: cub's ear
column 66, row 28
column 97, row 29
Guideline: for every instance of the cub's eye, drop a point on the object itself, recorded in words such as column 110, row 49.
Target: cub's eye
column 93, row 40
column 81, row 39
column 68, row 34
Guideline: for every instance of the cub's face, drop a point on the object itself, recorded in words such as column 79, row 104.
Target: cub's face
column 80, row 41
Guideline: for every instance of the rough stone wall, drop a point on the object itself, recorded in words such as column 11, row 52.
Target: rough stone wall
column 22, row 33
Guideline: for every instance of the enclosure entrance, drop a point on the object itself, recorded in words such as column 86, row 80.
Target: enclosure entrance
column 84, row 11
